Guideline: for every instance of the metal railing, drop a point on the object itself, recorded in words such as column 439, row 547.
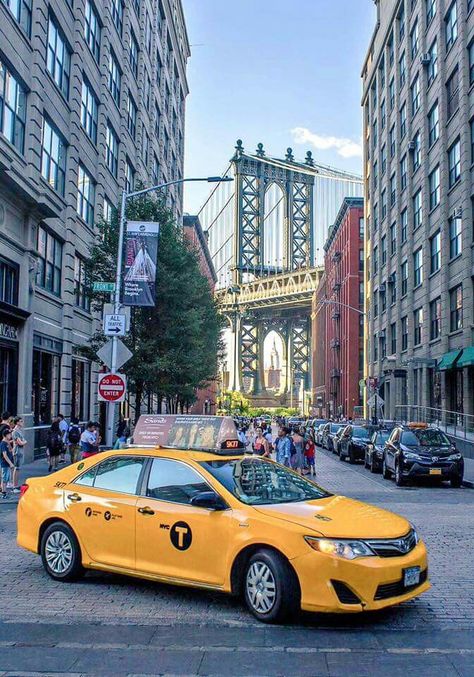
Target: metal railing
column 453, row 423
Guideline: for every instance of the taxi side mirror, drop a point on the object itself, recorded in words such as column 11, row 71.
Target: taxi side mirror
column 209, row 500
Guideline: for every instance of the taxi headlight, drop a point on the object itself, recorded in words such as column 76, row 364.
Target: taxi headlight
column 455, row 457
column 415, row 533
column 342, row 548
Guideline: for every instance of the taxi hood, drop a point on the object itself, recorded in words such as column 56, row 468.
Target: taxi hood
column 340, row 517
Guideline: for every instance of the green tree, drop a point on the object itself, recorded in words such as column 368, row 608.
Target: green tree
column 177, row 343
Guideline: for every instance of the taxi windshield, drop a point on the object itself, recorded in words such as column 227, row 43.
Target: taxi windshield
column 425, row 438
column 255, row 481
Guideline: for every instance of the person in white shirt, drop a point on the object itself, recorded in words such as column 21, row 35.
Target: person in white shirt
column 63, row 427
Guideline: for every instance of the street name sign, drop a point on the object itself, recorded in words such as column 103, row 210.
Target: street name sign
column 115, row 325
column 112, row 387
column 104, row 286
column 123, row 354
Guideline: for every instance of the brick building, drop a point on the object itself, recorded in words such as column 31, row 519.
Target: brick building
column 337, row 322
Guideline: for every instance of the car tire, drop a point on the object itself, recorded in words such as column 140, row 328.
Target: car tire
column 351, row 456
column 61, row 553
column 399, row 479
column 386, row 474
column 366, row 462
column 372, row 466
column 281, row 599
column 456, row 482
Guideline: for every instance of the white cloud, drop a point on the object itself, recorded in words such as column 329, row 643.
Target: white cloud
column 346, row 148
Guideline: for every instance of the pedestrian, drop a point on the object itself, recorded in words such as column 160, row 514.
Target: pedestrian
column 283, row 447
column 242, row 436
column 309, row 453
column 98, row 438
column 260, row 445
column 74, row 440
column 19, row 442
column 89, row 441
column 63, row 427
column 7, row 462
column 122, row 433
column 5, row 422
column 54, row 445
column 299, row 442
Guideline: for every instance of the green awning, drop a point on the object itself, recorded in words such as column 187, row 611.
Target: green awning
column 467, row 357
column 448, row 360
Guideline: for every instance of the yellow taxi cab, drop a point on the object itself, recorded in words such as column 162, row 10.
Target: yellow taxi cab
column 185, row 505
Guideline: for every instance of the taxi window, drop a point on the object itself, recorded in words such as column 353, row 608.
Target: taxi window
column 173, row 481
column 114, row 474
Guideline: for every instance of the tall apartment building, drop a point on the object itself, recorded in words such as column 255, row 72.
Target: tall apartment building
column 338, row 321
column 92, row 98
column 418, row 102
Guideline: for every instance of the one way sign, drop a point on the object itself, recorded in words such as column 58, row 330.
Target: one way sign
column 114, row 325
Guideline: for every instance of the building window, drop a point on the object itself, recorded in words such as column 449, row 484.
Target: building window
column 455, row 242
column 435, row 252
column 417, row 326
column 393, row 338
column 85, row 195
column 435, row 319
column 49, row 265
column 111, row 150
column 384, row 203
column 433, row 65
column 455, row 308
column 129, row 177
column 393, row 238
column 375, row 175
column 404, row 277
column 403, row 120
column 433, row 124
column 374, row 134
column 89, row 111
column 430, row 10
column 132, row 116
column 80, row 387
column 117, row 15
column 403, row 172
column 361, row 260
column 391, row 93
column 58, row 58
column 376, row 217
column 401, row 23
column 393, row 190
column 12, row 108
column 375, row 261
column 402, row 64
column 145, row 147
column 404, row 225
column 133, row 55
column 434, row 184
column 114, row 78
column 92, row 29
column 376, row 348
column 392, row 141
column 415, row 95
column 80, row 288
column 416, row 152
column 108, row 211
column 418, row 267
column 383, row 159
column 452, row 93
column 417, row 210
column 393, row 288
column 361, row 227
column 470, row 50
column 147, row 90
column 383, row 301
column 8, row 282
column 148, row 33
column 414, row 40
column 45, row 384
column 454, row 163
column 53, row 157
column 21, row 10
column 383, row 115
column 404, row 332
column 383, row 249
column 376, row 304
column 451, row 26
column 471, row 126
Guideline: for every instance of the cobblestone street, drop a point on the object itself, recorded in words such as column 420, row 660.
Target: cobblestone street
column 46, row 626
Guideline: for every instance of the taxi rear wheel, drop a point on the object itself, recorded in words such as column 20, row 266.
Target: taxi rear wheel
column 60, row 553
column 271, row 588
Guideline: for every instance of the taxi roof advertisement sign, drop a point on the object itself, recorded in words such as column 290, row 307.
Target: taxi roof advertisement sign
column 184, row 431
column 141, row 252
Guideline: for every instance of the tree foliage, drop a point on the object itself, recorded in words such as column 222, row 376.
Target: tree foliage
column 177, row 343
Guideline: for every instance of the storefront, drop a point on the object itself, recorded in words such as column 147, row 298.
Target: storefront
column 454, row 386
column 46, row 378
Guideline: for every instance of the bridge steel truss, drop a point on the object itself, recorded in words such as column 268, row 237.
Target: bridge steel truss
column 265, row 297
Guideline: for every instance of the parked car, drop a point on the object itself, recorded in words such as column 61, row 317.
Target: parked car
column 313, row 425
column 328, row 434
column 353, row 442
column 374, row 450
column 318, row 434
column 336, row 447
column 417, row 450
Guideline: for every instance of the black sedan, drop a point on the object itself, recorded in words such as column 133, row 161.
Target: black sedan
column 329, row 432
column 353, row 443
column 374, row 450
column 420, row 451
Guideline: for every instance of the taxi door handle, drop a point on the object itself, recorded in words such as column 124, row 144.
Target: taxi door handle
column 74, row 497
column 146, row 511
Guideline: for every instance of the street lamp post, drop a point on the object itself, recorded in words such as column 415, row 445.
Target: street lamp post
column 118, row 276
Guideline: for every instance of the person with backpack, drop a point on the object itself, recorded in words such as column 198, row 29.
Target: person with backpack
column 260, row 445
column 74, row 440
column 284, row 447
column 54, row 445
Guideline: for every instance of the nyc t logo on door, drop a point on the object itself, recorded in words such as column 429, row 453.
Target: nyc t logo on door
column 181, row 535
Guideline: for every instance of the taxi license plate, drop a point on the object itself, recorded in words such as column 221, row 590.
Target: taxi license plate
column 435, row 471
column 411, row 576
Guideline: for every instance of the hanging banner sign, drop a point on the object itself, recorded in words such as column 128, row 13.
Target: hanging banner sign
column 141, row 251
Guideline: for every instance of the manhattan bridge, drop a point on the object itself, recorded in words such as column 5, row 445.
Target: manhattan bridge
column 266, row 232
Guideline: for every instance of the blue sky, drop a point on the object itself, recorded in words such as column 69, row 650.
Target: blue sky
column 283, row 73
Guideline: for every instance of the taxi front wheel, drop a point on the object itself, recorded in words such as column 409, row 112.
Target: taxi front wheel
column 61, row 553
column 270, row 587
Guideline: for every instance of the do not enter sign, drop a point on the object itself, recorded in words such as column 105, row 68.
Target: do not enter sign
column 112, row 387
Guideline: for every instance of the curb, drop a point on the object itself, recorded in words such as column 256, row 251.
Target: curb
column 468, row 483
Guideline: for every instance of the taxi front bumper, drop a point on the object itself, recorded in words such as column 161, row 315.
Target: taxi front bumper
column 368, row 583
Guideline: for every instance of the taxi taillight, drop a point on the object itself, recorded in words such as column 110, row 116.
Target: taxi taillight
column 23, row 489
